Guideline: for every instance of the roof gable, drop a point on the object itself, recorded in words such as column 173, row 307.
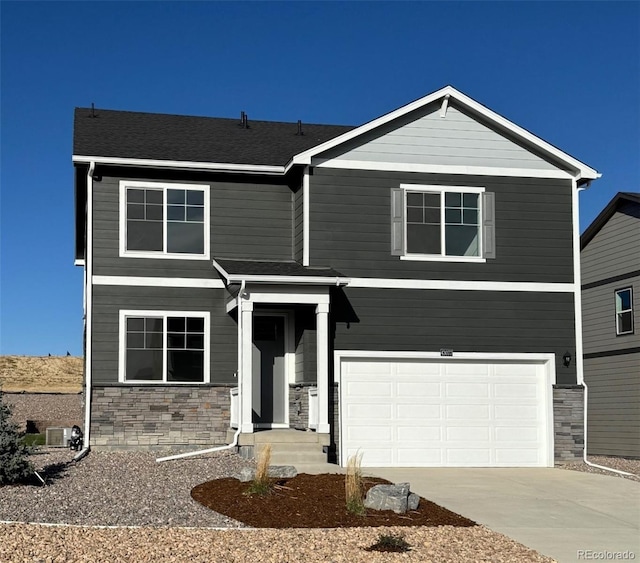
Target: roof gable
column 619, row 200
column 444, row 97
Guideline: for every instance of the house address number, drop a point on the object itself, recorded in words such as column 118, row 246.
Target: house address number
column 446, row 352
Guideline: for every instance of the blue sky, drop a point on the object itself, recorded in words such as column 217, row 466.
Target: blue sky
column 567, row 71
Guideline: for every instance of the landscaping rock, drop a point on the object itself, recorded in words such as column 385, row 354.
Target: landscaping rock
column 275, row 472
column 392, row 497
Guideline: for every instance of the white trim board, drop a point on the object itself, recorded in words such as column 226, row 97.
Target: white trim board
column 181, row 164
column 461, row 285
column 139, row 281
column 441, row 169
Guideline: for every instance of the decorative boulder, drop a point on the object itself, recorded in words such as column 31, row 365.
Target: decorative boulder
column 398, row 498
column 275, row 472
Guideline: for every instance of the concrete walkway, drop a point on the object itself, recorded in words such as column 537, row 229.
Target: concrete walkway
column 560, row 513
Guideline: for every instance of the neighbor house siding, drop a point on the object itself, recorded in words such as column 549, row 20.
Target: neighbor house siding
column 613, row 426
column 247, row 220
column 615, row 248
column 456, row 139
column 599, row 312
column 109, row 300
column 298, row 225
column 350, row 227
column 464, row 321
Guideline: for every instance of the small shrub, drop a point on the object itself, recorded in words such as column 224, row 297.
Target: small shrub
column 14, row 463
column 390, row 542
column 354, row 486
column 261, row 484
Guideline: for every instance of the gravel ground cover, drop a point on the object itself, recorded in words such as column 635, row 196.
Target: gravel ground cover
column 56, row 409
column 619, row 463
column 131, row 489
column 344, row 545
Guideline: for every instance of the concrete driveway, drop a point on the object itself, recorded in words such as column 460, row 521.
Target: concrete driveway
column 567, row 515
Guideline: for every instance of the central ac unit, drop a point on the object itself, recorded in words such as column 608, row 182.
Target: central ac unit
column 58, row 437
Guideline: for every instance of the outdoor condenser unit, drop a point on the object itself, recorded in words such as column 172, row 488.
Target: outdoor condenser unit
column 58, row 437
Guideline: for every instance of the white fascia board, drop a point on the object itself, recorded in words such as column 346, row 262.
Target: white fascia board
column 584, row 171
column 442, row 169
column 182, row 164
column 461, row 285
column 221, row 271
column 317, row 280
column 139, row 281
column 79, row 262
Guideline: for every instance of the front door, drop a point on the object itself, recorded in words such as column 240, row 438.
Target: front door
column 269, row 378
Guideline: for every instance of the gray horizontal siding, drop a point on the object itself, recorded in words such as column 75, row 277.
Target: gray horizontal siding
column 456, row 139
column 466, row 321
column 614, row 250
column 109, row 300
column 350, row 229
column 599, row 317
column 247, row 220
column 613, row 415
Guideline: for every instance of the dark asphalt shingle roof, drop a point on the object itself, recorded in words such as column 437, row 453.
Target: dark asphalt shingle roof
column 273, row 268
column 158, row 136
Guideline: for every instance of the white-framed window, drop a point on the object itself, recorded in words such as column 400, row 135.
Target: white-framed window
column 444, row 223
column 164, row 347
column 624, row 311
column 164, row 220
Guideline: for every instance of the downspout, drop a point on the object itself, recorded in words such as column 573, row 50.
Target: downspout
column 578, row 321
column 234, row 442
column 88, row 314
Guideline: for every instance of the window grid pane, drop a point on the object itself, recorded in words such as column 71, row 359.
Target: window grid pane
column 624, row 311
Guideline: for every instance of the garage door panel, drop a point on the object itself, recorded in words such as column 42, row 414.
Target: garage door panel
column 418, row 389
column 473, row 390
column 467, row 412
column 445, row 413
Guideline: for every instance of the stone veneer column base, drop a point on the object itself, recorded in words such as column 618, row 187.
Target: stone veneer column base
column 299, row 405
column 568, row 422
column 159, row 416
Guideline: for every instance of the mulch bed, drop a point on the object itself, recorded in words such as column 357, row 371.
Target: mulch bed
column 312, row 501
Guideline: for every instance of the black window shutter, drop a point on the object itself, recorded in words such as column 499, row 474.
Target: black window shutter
column 397, row 222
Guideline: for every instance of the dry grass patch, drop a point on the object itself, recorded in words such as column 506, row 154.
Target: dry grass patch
column 41, row 374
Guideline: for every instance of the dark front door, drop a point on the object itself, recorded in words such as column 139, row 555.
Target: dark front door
column 269, row 384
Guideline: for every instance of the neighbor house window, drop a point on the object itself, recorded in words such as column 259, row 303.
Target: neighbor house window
column 164, row 220
column 164, row 347
column 441, row 223
column 624, row 311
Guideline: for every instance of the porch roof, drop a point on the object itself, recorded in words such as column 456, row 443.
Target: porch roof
column 277, row 272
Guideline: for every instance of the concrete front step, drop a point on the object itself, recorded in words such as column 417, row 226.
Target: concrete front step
column 295, row 458
column 288, row 446
column 279, row 436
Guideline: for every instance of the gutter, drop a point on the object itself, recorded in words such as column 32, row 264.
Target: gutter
column 88, row 283
column 234, row 442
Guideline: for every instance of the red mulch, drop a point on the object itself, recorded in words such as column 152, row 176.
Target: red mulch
column 312, row 501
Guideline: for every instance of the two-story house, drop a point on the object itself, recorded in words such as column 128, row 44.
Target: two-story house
column 611, row 313
column 408, row 288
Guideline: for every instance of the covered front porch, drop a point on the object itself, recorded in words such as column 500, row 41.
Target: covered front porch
column 282, row 312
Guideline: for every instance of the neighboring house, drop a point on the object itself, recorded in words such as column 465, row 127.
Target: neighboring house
column 408, row 288
column 611, row 326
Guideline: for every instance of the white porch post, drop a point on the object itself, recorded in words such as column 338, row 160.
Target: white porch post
column 246, row 372
column 322, row 335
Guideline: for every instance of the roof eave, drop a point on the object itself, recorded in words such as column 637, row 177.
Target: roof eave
column 262, row 169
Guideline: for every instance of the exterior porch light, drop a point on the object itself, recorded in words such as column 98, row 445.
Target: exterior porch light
column 566, row 359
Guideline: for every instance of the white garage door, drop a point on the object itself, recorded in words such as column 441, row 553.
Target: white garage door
column 456, row 413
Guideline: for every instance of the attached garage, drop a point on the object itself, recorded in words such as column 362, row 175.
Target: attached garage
column 423, row 410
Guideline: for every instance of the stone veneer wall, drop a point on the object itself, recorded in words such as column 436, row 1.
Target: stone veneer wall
column 299, row 405
column 568, row 422
column 159, row 416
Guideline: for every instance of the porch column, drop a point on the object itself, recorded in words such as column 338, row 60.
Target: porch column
column 322, row 362
column 246, row 370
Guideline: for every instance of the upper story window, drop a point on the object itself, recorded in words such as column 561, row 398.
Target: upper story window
column 442, row 223
column 624, row 311
column 164, row 347
column 164, row 220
